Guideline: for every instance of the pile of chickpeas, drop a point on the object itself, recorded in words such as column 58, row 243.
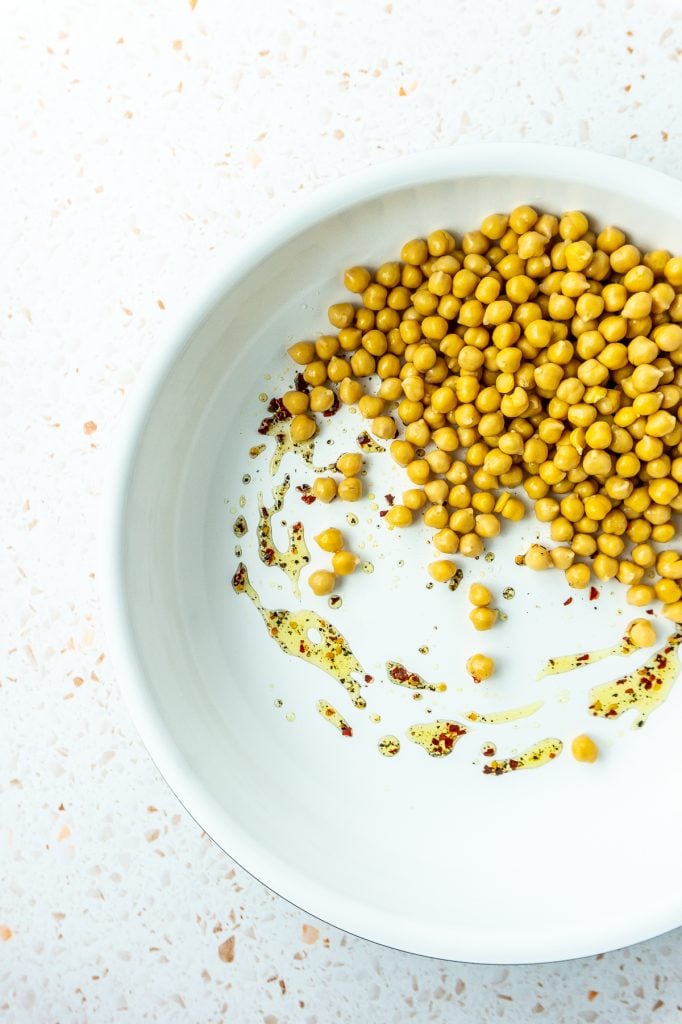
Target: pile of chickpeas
column 531, row 353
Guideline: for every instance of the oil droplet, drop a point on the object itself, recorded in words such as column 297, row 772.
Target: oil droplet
column 255, row 450
column 291, row 631
column 371, row 497
column 644, row 689
column 456, row 580
column 508, row 593
column 502, row 717
column 534, row 757
column 417, row 696
column 237, row 551
column 569, row 662
column 401, row 564
column 488, row 749
column 279, row 703
column 374, row 717
column 402, row 676
column 368, row 568
column 290, row 716
column 352, row 519
column 490, row 557
column 429, row 585
column 437, row 738
column 389, row 745
column 423, row 649
column 246, row 479
column 367, row 444
column 296, row 555
column 242, row 501
column 502, row 616
column 240, row 526
column 262, row 397
column 335, row 601
column 330, row 714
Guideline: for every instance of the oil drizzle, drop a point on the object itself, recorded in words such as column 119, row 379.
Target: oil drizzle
column 277, row 426
column 534, row 757
column 644, row 689
column 503, row 717
column 367, row 444
column 240, row 527
column 290, row 631
column 291, row 561
column 437, row 738
column 569, row 662
column 402, row 676
column 330, row 714
column 389, row 746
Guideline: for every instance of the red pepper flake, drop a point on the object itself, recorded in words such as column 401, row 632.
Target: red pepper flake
column 583, row 657
column 513, row 764
column 384, row 512
column 569, row 600
column 650, row 611
column 301, row 647
column 346, row 731
column 301, row 383
column 488, row 751
column 594, row 593
column 333, row 409
column 369, row 678
column 308, row 499
column 591, row 994
column 389, row 499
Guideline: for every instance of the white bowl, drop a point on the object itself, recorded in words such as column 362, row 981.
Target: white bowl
column 425, row 855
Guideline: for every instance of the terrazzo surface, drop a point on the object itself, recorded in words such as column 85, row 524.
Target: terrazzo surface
column 138, row 143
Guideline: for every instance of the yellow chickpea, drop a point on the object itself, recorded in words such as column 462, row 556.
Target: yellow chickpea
column 442, row 570
column 350, row 488
column 322, row 582
column 324, row 488
column 344, row 562
column 483, row 618
column 398, row 516
column 480, row 667
column 584, row 749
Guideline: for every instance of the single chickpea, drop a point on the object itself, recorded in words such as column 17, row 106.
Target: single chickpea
column 398, row 516
column 341, row 314
column 483, row 618
column 322, row 582
column 350, row 463
column 302, row 428
column 442, row 570
column 641, row 633
column 330, row 539
column 356, row 279
column 578, row 575
column 640, row 594
column 350, row 488
column 324, row 488
column 479, row 595
column 344, row 562
column 584, row 749
column 480, row 667
column 321, row 399
column 295, row 402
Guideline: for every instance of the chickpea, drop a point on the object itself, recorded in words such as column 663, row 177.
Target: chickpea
column 537, row 557
column 578, row 576
column 357, row 279
column 480, row 667
column 322, row 582
column 398, row 516
column 483, row 618
column 324, row 488
column 584, row 749
column 344, row 562
column 640, row 594
column 641, row 633
column 442, row 570
column 350, row 488
column 350, row 463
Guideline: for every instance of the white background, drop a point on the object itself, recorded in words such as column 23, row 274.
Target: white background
column 138, row 142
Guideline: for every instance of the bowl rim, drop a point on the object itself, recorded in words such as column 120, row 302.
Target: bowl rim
column 551, row 162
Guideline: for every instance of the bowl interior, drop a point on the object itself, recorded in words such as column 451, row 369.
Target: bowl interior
column 426, row 854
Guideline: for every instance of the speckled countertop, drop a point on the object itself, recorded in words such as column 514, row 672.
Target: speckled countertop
column 137, row 140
